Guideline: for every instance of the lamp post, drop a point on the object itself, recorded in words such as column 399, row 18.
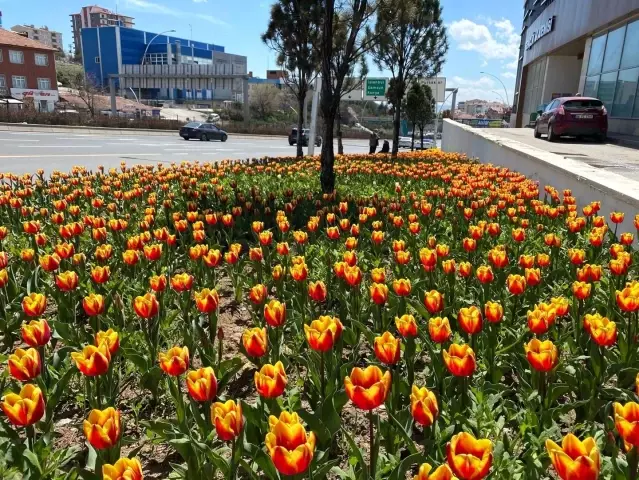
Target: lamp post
column 500, row 96
column 499, row 80
column 144, row 58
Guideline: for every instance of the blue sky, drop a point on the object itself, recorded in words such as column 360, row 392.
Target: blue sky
column 483, row 34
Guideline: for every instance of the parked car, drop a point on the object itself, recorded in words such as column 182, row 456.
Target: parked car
column 203, row 132
column 406, row 142
column 292, row 137
column 573, row 116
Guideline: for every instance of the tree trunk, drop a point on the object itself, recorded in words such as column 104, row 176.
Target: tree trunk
column 300, row 124
column 421, row 135
column 340, row 145
column 327, row 175
column 412, row 141
column 397, row 119
column 329, row 109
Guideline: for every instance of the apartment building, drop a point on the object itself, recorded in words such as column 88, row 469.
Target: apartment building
column 42, row 35
column 96, row 17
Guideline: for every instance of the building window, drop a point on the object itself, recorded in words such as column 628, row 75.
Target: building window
column 596, row 54
column 630, row 56
column 44, row 84
column 3, row 82
column 606, row 92
column 591, row 86
column 16, row 56
column 625, row 93
column 19, row 81
column 614, row 46
column 41, row 59
column 97, row 59
column 0, row 55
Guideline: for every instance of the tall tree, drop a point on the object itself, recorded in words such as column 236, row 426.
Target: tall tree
column 345, row 39
column 293, row 33
column 418, row 108
column 411, row 44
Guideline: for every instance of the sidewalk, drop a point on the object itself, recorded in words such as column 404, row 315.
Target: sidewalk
column 630, row 141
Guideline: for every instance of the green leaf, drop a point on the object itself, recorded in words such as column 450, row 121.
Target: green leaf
column 408, row 441
column 355, row 451
column 399, row 473
column 33, row 459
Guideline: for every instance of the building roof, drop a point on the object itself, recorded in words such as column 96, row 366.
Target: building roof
column 14, row 40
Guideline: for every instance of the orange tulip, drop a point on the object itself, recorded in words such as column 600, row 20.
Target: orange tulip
column 255, row 254
column 581, row 290
column 26, row 408
column 428, row 259
column 299, row 272
column 212, row 258
column 575, row 460
column 290, row 448
column 92, row 361
column 278, row 272
column 27, row 255
column 111, row 338
column 67, row 281
column 153, row 251
column 542, row 356
column 93, row 304
column 255, row 342
column 49, row 263
column 627, row 423
column 34, row 304
column 175, row 361
column 130, row 257
column 271, row 380
column 102, row 428
column 402, row 287
column 24, row 365
column 275, row 313
column 202, row 384
column 493, row 312
column 367, row 388
column 207, row 300
column 516, row 284
column 434, row 301
column 423, row 406
column 627, row 299
column 617, row 217
column 601, row 329
column 439, row 329
column 443, row 472
column 317, row 291
column 352, row 275
column 387, row 348
column 379, row 293
column 485, row 274
column 460, row 360
column 322, row 333
column 465, row 269
column 100, row 274
column 498, row 258
column 526, row 261
column 228, row 420
column 258, row 294
column 532, row 276
column 157, row 283
column 377, row 237
column 36, row 333
column 470, row 320
column 146, row 306
column 577, row 256
column 468, row 457
column 406, row 326
column 181, row 282
column 123, row 469
column 378, row 275
column 540, row 320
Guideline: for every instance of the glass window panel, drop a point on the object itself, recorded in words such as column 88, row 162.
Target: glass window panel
column 606, row 91
column 591, row 86
column 625, row 93
column 614, row 46
column 596, row 55
column 630, row 56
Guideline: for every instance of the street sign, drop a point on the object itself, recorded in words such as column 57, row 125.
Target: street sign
column 438, row 86
column 354, row 96
column 375, row 88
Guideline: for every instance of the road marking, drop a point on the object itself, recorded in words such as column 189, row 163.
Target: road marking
column 59, row 146
column 84, row 155
column 18, row 140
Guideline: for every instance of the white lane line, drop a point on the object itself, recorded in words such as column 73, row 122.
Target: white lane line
column 17, row 140
column 117, row 155
column 59, row 146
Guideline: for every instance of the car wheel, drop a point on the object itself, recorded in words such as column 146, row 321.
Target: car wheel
column 186, row 138
column 204, row 138
column 224, row 138
column 537, row 134
column 601, row 138
column 291, row 143
column 551, row 135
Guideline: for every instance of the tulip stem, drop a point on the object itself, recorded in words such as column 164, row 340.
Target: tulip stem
column 633, row 463
column 232, row 464
column 31, row 437
column 322, row 380
column 371, row 439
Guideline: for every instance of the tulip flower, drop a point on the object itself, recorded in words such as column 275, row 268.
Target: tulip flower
column 92, row 361
column 439, row 329
column 575, row 460
column 100, row 274
column 271, row 380
column 423, row 406
column 627, row 423
column 317, row 291
column 123, row 469
column 459, row 360
column 443, row 472
column 493, row 312
column 434, row 302
column 258, row 294
column 49, row 263
column 146, row 306
column 470, row 320
column 93, row 304
column 26, row 408
column 387, row 348
column 67, row 281
column 102, row 428
column 322, row 333
column 468, row 457
column 288, row 444
column 352, row 275
column 111, row 338
column 175, row 361
column 540, row 321
column 36, row 333
column 299, row 272
column 255, row 342
column 406, row 326
column 428, row 259
column 207, row 300
column 202, row 384
column 581, row 290
column 627, row 299
column 379, row 293
column 465, row 269
column 402, row 287
column 181, row 282
column 34, row 304
column 275, row 313
column 227, row 418
column 367, row 388
column 542, row 356
column 498, row 258
column 516, row 284
column 24, row 365
column 601, row 329
column 485, row 274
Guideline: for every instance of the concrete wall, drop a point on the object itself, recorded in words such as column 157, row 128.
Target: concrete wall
column 562, row 76
column 616, row 193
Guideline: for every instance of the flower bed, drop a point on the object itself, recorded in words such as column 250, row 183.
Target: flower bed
column 432, row 318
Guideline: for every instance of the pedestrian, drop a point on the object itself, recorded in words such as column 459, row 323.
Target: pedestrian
column 373, row 143
column 385, row 147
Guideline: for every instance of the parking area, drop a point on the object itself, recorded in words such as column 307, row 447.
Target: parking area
column 607, row 156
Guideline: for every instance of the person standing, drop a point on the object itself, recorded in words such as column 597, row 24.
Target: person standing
column 373, row 142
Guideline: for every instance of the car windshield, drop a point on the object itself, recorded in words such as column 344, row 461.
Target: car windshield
column 586, row 103
column 193, row 124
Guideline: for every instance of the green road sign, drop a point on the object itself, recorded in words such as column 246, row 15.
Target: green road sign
column 375, row 88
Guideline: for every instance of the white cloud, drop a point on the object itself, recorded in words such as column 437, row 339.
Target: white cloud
column 512, row 65
column 508, row 75
column 482, row 88
column 200, row 1
column 153, row 7
column 212, row 19
column 484, row 64
column 497, row 42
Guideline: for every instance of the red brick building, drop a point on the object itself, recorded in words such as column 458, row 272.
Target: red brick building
column 27, row 71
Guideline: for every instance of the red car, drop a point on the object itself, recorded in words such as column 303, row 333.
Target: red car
column 573, row 116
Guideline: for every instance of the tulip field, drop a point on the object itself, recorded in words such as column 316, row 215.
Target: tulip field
column 433, row 318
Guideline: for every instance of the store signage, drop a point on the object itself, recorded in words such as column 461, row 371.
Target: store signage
column 543, row 30
column 21, row 93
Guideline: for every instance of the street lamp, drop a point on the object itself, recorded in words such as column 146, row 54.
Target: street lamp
column 500, row 96
column 144, row 58
column 499, row 80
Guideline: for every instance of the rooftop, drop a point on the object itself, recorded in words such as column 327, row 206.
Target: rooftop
column 14, row 40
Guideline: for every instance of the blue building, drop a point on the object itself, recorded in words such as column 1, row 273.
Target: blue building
column 114, row 50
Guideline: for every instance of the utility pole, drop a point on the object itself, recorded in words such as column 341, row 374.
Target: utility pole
column 311, row 136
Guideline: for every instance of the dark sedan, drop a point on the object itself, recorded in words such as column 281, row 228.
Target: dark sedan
column 203, row 132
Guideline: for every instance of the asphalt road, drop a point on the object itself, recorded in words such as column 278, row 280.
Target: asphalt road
column 26, row 152
column 614, row 158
